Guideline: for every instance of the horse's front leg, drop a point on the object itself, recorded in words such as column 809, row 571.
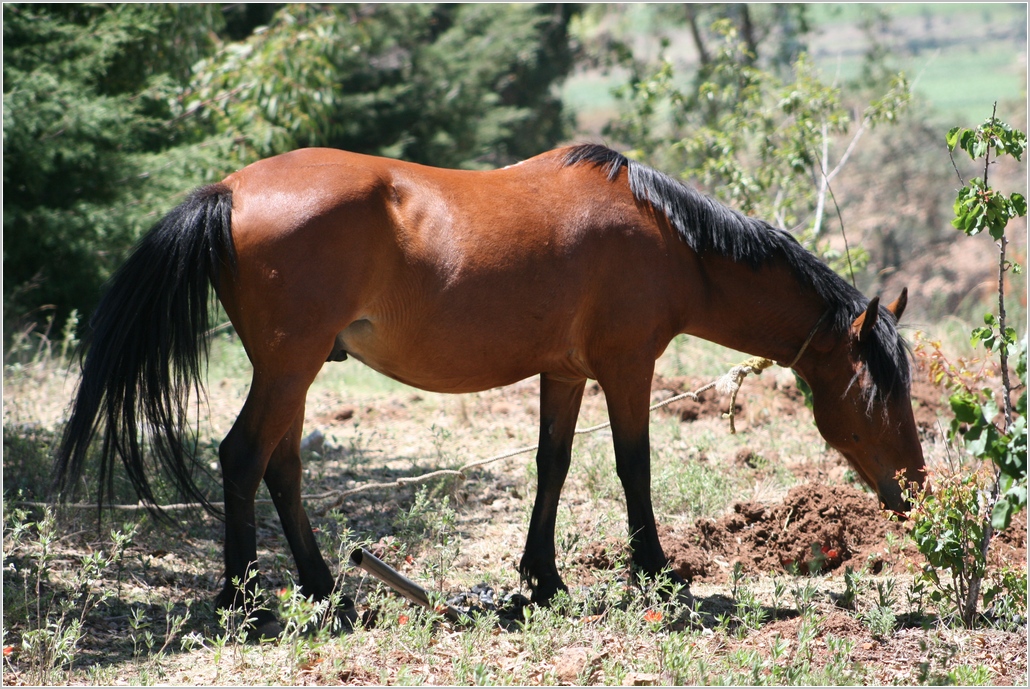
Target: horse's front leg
column 559, row 408
column 628, row 392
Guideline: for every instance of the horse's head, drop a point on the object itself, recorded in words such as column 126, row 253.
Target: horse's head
column 861, row 399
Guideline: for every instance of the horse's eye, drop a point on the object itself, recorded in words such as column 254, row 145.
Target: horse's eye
column 854, row 436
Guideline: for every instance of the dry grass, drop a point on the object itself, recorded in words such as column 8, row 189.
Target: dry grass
column 755, row 628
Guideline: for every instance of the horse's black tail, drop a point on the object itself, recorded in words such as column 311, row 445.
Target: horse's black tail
column 146, row 347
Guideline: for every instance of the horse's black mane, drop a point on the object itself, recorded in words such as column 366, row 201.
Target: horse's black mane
column 707, row 225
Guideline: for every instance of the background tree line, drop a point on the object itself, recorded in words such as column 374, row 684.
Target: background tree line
column 111, row 112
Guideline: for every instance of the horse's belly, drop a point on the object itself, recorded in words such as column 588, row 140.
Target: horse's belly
column 451, row 362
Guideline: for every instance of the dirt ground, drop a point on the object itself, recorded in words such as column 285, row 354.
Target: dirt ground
column 801, row 519
column 817, row 526
column 822, row 527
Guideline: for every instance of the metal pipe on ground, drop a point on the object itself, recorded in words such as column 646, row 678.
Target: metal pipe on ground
column 400, row 583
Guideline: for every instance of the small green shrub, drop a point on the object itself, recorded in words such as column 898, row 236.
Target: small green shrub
column 431, row 523
column 46, row 620
column 979, row 208
column 947, row 527
column 953, row 525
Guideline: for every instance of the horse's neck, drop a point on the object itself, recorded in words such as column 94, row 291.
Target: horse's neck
column 766, row 312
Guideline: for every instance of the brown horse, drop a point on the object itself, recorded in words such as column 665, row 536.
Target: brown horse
column 576, row 264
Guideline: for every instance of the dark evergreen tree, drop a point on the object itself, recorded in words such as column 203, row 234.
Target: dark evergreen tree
column 85, row 102
column 112, row 112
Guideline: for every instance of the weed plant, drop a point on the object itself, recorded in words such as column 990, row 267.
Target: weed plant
column 47, row 616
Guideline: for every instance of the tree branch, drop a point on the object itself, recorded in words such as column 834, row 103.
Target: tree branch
column 695, row 32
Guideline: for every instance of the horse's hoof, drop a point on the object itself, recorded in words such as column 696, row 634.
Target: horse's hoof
column 369, row 619
column 543, row 595
column 262, row 627
column 684, row 598
column 268, row 630
column 544, row 587
column 345, row 619
column 674, row 589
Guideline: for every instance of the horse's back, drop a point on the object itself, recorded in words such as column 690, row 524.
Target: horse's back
column 451, row 280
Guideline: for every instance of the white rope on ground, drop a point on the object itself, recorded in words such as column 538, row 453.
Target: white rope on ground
column 460, row 472
column 410, row 480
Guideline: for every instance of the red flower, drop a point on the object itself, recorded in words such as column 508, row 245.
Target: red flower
column 653, row 616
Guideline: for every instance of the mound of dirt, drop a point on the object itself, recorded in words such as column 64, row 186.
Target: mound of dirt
column 816, row 528
column 929, row 403
column 605, row 554
column 1009, row 546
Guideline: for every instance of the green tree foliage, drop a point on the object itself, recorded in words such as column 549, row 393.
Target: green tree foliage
column 85, row 108
column 776, row 32
column 112, row 112
column 451, row 85
column 760, row 142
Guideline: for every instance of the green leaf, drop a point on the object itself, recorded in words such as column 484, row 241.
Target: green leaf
column 1007, row 506
column 989, row 409
column 953, row 137
column 1018, row 204
column 966, row 140
column 965, row 407
column 978, row 439
column 1014, row 455
column 981, row 334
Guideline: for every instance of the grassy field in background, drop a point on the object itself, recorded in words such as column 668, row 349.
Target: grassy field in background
column 962, row 57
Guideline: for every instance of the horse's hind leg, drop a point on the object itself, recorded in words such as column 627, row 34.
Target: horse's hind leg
column 559, row 408
column 274, row 403
column 283, row 478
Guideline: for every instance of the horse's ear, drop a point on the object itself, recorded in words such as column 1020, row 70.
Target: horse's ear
column 897, row 307
column 863, row 326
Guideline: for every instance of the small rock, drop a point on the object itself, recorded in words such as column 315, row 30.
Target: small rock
column 313, row 443
column 747, row 457
column 570, row 663
column 343, row 413
column 641, row 679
